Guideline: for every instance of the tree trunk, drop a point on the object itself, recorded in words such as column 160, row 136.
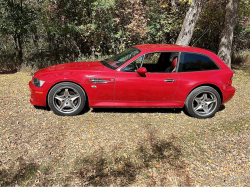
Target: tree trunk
column 225, row 47
column 190, row 20
column 20, row 48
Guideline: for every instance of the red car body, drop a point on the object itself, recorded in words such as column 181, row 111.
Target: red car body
column 129, row 89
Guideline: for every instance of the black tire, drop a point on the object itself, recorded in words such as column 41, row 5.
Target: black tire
column 66, row 99
column 203, row 102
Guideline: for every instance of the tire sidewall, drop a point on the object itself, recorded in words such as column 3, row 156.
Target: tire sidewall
column 194, row 93
column 70, row 85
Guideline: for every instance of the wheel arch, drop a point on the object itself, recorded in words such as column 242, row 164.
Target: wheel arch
column 87, row 100
column 210, row 85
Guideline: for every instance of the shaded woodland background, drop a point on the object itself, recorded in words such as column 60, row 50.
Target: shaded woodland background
column 40, row 33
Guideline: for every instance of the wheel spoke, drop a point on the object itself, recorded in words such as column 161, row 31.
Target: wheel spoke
column 59, row 97
column 74, row 97
column 198, row 107
column 71, row 104
column 66, row 93
column 206, row 109
column 204, row 97
column 211, row 101
column 198, row 100
column 62, row 105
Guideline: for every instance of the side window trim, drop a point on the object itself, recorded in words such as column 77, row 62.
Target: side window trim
column 178, row 61
column 143, row 58
column 142, row 61
column 179, row 54
column 181, row 58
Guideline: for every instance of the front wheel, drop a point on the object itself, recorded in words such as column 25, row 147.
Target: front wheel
column 66, row 99
column 203, row 102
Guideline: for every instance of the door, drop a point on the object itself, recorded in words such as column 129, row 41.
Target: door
column 157, row 85
column 153, row 87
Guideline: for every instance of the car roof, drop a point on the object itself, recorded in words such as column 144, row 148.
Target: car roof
column 168, row 46
column 145, row 48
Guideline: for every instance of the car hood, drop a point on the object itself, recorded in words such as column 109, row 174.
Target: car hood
column 70, row 71
column 92, row 66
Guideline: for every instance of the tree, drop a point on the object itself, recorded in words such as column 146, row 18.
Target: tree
column 16, row 21
column 189, row 23
column 225, row 47
column 209, row 26
column 241, row 39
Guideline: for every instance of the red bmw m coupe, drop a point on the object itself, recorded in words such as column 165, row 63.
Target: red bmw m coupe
column 153, row 75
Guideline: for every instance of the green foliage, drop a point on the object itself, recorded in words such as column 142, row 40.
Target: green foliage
column 212, row 21
column 210, row 24
column 16, row 17
column 103, row 4
column 243, row 27
column 241, row 57
column 65, row 30
column 165, row 22
column 17, row 21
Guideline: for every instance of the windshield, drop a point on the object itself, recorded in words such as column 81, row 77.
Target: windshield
column 118, row 60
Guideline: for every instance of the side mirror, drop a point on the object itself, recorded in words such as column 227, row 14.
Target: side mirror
column 142, row 71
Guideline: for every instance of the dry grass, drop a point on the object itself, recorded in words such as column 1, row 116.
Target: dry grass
column 122, row 146
column 241, row 57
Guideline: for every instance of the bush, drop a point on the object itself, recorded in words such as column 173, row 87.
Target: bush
column 241, row 57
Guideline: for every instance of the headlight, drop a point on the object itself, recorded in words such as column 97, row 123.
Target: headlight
column 37, row 82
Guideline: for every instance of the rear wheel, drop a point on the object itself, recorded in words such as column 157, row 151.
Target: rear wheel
column 66, row 99
column 203, row 102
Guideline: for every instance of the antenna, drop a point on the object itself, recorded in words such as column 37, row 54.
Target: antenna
column 200, row 37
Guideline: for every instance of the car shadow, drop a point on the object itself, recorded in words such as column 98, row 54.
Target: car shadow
column 46, row 108
column 222, row 107
column 42, row 108
column 131, row 110
column 122, row 110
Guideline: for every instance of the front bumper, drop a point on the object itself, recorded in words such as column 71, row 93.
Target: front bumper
column 39, row 95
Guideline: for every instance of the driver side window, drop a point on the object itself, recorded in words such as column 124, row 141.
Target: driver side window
column 156, row 62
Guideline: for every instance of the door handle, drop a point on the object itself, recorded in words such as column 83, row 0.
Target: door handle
column 169, row 80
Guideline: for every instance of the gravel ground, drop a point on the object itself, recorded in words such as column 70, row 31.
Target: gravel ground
column 122, row 146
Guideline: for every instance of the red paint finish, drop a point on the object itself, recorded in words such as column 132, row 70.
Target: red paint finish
column 107, row 87
column 39, row 98
column 142, row 71
column 152, row 87
column 135, row 104
column 191, row 80
column 100, row 91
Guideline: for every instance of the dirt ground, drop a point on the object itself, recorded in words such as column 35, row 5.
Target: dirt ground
column 122, row 146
